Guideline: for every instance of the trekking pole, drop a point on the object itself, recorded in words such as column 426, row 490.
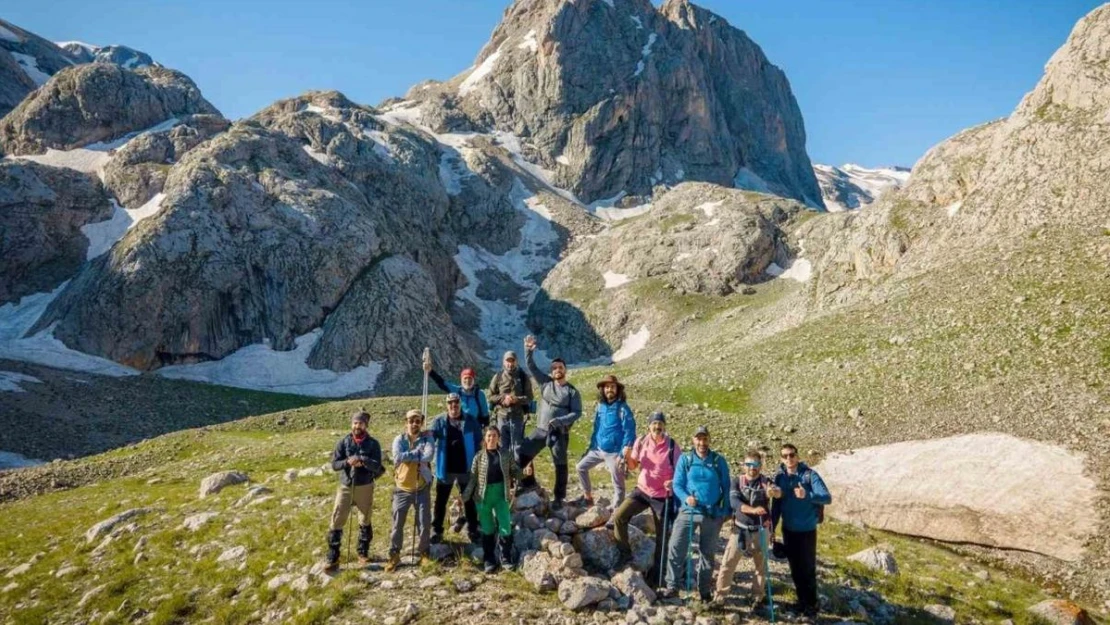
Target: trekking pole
column 349, row 518
column 427, row 357
column 766, row 569
column 666, row 509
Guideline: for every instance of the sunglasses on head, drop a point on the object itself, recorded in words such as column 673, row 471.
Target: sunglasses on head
column 789, row 454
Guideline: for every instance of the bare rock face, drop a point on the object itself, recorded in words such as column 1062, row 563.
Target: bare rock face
column 26, row 62
column 389, row 311
column 255, row 240
column 618, row 97
column 42, row 209
column 124, row 56
column 941, row 489
column 98, row 102
column 697, row 239
column 138, row 170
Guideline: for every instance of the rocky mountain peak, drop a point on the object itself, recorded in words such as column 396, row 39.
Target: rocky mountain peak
column 616, row 97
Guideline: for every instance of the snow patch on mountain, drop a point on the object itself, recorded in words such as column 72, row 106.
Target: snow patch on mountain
column 102, row 235
column 10, row 381
column 30, row 66
column 850, row 187
column 476, row 76
column 632, row 344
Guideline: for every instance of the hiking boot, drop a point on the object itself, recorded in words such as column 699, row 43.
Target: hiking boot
column 474, row 537
column 507, row 552
column 393, row 563
column 718, row 600
column 489, row 553
column 436, row 538
column 365, row 535
column 557, row 505
column 335, row 540
column 426, row 560
column 460, row 523
column 585, row 501
column 666, row 593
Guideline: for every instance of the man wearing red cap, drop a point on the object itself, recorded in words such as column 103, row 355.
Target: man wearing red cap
column 474, row 405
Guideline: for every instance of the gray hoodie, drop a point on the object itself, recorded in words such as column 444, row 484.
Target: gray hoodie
column 560, row 405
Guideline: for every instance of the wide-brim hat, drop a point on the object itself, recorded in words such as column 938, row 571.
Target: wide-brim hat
column 611, row 379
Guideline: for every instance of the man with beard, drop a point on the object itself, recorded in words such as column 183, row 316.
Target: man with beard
column 457, row 438
column 560, row 406
column 473, row 400
column 358, row 460
column 412, row 478
column 510, row 393
column 613, row 434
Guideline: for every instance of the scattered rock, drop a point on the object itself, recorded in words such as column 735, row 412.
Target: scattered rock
column 537, row 569
column 527, row 501
column 430, row 582
column 290, row 475
column 942, row 612
column 218, row 481
column 232, row 555
column 254, row 495
column 631, row 583
column 877, row 559
column 598, row 549
column 464, row 586
column 582, row 592
column 280, row 580
column 88, row 596
column 196, row 521
column 1060, row 612
column 107, row 525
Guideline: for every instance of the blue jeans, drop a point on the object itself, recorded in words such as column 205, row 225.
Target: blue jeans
column 709, row 533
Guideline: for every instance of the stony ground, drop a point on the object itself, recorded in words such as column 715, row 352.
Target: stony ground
column 249, row 552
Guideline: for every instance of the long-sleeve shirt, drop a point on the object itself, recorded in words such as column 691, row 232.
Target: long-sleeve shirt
column 473, row 402
column 752, row 494
column 510, row 384
column 560, row 404
column 368, row 450
column 412, row 461
column 706, row 479
column 799, row 515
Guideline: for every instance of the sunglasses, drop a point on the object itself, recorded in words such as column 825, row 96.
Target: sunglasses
column 789, row 455
column 452, row 402
column 415, row 420
column 753, row 465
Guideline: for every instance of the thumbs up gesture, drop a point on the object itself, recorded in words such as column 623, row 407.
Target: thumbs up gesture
column 800, row 491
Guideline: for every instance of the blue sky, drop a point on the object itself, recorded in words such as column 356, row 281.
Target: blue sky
column 879, row 82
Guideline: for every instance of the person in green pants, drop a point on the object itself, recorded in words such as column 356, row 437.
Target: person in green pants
column 491, row 473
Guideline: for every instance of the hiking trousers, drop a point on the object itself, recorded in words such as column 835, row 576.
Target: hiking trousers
column 678, row 556
column 612, row 462
column 558, row 442
column 402, row 501
column 801, row 553
column 361, row 497
column 740, row 545
column 443, row 495
column 636, row 503
column 512, row 434
column 493, row 511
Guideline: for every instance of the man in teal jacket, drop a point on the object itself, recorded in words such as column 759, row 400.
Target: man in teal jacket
column 612, row 438
column 701, row 484
column 801, row 508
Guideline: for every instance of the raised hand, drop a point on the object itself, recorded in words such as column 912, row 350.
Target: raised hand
column 529, row 343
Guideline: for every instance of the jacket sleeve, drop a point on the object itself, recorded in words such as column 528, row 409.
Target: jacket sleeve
column 494, row 396
column 515, row 471
column 472, row 483
column 776, row 504
column 426, row 448
column 734, row 494
column 339, row 456
column 416, row 454
column 483, row 408
column 540, row 376
column 593, row 432
column 679, row 487
column 629, row 428
column 373, row 462
column 569, row 418
column 443, row 385
column 722, row 467
column 818, row 493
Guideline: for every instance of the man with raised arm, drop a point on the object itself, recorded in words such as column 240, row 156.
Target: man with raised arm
column 560, row 406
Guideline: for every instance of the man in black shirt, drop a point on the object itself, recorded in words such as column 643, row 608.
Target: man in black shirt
column 358, row 459
column 458, row 436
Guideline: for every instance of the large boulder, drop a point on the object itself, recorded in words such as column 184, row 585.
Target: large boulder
column 218, row 481
column 42, row 211
column 598, row 548
column 631, row 584
column 85, row 104
column 942, row 489
column 876, row 559
column 1060, row 612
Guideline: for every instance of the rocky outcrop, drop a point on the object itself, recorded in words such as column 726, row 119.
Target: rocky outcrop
column 697, row 239
column 619, row 97
column 138, row 170
column 42, row 210
column 128, row 58
column 386, row 316
column 98, row 102
column 26, row 62
column 941, row 489
column 255, row 241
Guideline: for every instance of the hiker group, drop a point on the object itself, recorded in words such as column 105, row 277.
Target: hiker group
column 479, row 446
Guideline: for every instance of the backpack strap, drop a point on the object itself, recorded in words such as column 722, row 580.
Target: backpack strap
column 670, row 452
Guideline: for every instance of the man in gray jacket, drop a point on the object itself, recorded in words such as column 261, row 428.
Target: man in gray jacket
column 560, row 406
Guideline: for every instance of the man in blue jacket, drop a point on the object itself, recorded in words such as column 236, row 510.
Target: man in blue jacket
column 800, row 508
column 458, row 436
column 701, row 484
column 612, row 438
column 474, row 404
